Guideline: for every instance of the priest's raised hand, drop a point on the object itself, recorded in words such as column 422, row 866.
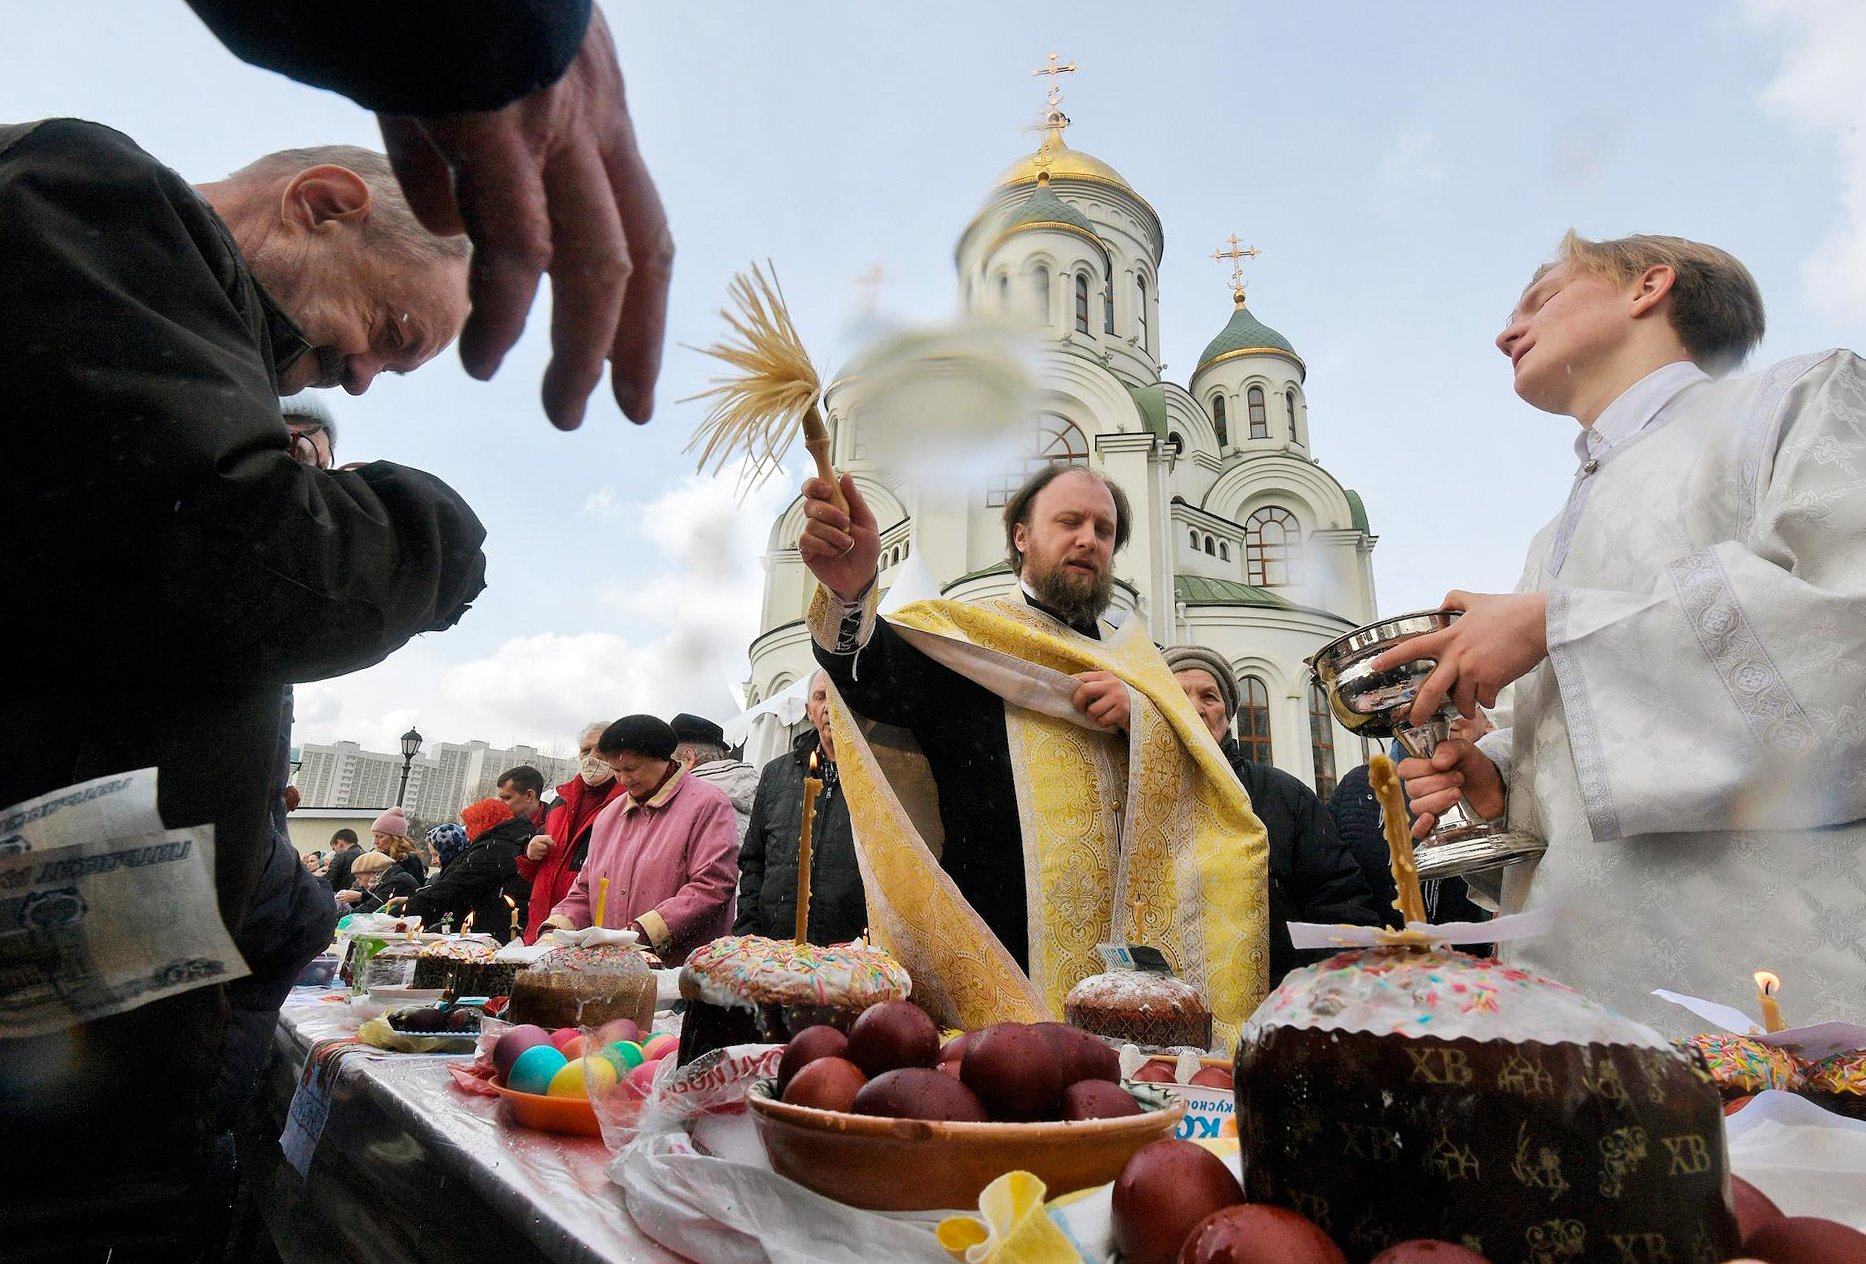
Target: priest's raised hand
column 841, row 549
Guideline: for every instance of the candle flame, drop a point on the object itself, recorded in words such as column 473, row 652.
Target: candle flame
column 466, row 925
column 510, row 901
column 813, row 763
column 1767, row 983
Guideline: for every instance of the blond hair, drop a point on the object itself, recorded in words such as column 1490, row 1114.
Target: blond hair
column 394, row 846
column 1716, row 308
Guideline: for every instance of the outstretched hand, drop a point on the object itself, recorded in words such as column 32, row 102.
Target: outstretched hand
column 1496, row 640
column 841, row 549
column 1102, row 697
column 551, row 183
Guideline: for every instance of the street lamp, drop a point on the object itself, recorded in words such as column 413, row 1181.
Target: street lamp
column 411, row 746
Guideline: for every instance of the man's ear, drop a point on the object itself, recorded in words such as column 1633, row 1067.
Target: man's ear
column 321, row 197
column 1652, row 287
column 1019, row 536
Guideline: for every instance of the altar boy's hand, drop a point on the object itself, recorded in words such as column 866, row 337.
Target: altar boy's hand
column 1498, row 639
column 1457, row 770
column 1102, row 697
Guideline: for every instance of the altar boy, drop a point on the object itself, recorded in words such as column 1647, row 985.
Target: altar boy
column 1688, row 644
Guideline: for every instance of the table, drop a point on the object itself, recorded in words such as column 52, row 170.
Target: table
column 408, row 1168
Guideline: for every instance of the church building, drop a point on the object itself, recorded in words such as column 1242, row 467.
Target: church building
column 1241, row 541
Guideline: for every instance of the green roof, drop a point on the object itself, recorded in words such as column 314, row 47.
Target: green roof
column 1151, row 401
column 1044, row 207
column 1358, row 510
column 997, row 568
column 1198, row 590
column 1245, row 334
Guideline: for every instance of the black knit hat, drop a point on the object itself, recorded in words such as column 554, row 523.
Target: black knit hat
column 698, row 730
column 644, row 734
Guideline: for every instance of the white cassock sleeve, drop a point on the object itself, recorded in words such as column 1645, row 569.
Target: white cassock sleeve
column 1732, row 694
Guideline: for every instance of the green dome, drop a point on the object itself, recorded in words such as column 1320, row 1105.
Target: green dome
column 1043, row 209
column 1202, row 590
column 1246, row 335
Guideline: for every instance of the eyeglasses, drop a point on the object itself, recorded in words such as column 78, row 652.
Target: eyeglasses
column 306, row 446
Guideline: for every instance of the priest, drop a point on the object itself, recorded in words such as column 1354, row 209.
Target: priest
column 1688, row 646
column 1026, row 779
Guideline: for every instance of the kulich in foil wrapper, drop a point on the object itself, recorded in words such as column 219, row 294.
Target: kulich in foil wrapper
column 1584, row 1151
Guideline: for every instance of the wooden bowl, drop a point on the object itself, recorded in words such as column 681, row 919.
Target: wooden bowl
column 884, row 1164
column 573, row 1115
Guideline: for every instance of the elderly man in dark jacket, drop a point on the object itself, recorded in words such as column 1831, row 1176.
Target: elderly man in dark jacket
column 768, row 855
column 184, row 567
column 1313, row 877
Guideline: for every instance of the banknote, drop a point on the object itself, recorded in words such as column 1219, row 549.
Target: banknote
column 102, row 908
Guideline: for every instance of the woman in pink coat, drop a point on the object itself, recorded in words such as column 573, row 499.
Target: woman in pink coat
column 669, row 847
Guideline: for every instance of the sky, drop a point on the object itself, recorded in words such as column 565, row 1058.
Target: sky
column 1401, row 168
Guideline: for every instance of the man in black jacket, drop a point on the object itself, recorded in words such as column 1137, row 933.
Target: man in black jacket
column 768, row 854
column 344, row 849
column 1313, row 878
column 184, row 567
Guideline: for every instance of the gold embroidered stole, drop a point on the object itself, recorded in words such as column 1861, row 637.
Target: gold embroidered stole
column 1148, row 840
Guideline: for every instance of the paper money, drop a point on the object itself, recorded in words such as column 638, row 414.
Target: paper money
column 102, row 908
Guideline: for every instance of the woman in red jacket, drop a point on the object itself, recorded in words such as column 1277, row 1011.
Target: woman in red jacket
column 551, row 863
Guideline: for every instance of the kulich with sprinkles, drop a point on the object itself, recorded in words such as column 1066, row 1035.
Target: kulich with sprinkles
column 746, row 989
column 1743, row 1067
column 1407, row 1092
column 585, row 987
column 1838, row 1083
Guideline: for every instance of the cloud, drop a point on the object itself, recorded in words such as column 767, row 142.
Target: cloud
column 1817, row 87
column 600, row 503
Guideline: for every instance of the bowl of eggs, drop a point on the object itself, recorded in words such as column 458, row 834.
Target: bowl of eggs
column 550, row 1080
column 887, row 1119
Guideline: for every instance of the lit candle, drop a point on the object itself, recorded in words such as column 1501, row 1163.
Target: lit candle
column 513, row 905
column 1385, row 785
column 811, row 787
column 1767, row 985
column 602, row 899
column 466, row 927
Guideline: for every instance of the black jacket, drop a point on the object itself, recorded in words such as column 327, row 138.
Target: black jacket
column 423, row 58
column 183, row 568
column 478, row 881
column 394, row 881
column 337, row 874
column 1357, row 819
column 414, row 867
column 768, row 856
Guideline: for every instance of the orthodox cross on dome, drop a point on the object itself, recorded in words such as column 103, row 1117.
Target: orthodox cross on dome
column 1054, row 97
column 870, row 282
column 1237, row 258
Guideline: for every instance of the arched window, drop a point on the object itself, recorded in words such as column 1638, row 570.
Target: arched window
column 1259, row 415
column 1211, row 547
column 1082, row 325
column 1272, row 548
column 1057, row 439
column 1140, row 317
column 1004, row 293
column 1107, row 308
column 1041, row 280
column 1195, row 539
column 1224, row 551
column 1289, row 398
column 1218, row 421
column 1175, row 444
column 1321, row 741
column 1254, row 720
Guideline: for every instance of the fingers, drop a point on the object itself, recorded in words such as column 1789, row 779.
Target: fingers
column 1432, row 691
column 1425, row 645
column 859, row 512
column 422, row 172
column 1456, row 599
column 499, row 187
column 589, row 275
column 1422, row 825
column 641, row 328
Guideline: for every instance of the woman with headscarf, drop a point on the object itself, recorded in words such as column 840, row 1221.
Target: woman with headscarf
column 552, row 860
column 482, row 878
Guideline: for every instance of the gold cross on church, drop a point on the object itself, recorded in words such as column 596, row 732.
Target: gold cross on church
column 1237, row 258
column 1053, row 70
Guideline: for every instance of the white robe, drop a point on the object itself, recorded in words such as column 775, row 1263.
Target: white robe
column 1694, row 747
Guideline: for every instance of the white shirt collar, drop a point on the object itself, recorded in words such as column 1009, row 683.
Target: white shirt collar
column 1637, row 405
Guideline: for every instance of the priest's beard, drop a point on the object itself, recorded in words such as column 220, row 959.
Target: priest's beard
column 1076, row 597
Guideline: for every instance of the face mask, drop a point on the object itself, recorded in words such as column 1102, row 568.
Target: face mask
column 594, row 771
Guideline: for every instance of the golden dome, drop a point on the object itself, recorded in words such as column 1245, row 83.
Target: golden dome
column 1062, row 162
